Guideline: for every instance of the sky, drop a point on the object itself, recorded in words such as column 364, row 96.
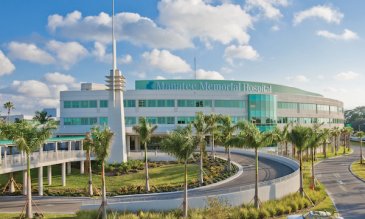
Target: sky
column 50, row 46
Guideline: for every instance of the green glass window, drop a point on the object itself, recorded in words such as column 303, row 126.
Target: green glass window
column 307, row 106
column 236, row 119
column 80, row 121
column 103, row 120
column 161, row 120
column 288, row 105
column 156, row 103
column 67, row 104
column 229, row 103
column 130, row 121
column 141, row 103
column 185, row 119
column 75, row 104
column 103, row 103
column 194, row 103
column 262, row 110
column 129, row 103
column 323, row 108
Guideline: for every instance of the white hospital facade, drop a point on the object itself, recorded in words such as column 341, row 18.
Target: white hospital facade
column 170, row 103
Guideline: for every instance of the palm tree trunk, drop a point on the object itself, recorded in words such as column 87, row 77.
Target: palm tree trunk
column 293, row 151
column 313, row 185
column 301, row 191
column 256, row 198
column 185, row 204
column 336, row 145
column 360, row 150
column 213, row 151
column 103, row 202
column 201, row 166
column 325, row 149
column 229, row 159
column 344, row 144
column 91, row 192
column 29, row 213
column 286, row 148
column 146, row 168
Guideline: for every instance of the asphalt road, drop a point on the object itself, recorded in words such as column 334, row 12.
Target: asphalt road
column 268, row 170
column 346, row 191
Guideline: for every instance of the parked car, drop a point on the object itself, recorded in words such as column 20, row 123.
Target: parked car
column 315, row 215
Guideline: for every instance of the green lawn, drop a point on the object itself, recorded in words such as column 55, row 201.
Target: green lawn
column 358, row 169
column 171, row 175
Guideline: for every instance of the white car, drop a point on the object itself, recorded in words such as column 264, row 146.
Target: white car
column 314, row 215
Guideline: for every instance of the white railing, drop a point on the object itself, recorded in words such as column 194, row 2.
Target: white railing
column 18, row 162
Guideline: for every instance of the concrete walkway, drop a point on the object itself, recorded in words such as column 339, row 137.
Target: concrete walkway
column 346, row 191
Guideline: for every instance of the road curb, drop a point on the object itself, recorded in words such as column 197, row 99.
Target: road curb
column 350, row 169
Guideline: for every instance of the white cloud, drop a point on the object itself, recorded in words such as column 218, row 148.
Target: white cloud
column 158, row 77
column 67, row 53
column 211, row 75
column 6, row 67
column 100, row 53
column 223, row 23
column 240, row 52
column 347, row 35
column 30, row 53
column 275, row 28
column 165, row 61
column 324, row 12
column 30, row 88
column 130, row 27
column 267, row 8
column 346, row 76
column 297, row 78
column 58, row 78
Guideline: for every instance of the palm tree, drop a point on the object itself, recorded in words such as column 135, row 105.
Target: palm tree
column 88, row 145
column 201, row 129
column 316, row 137
column 299, row 136
column 227, row 129
column 360, row 135
column 325, row 141
column 349, row 131
column 42, row 117
column 29, row 137
column 180, row 143
column 285, row 136
column 145, row 131
column 335, row 134
column 251, row 137
column 9, row 106
column 212, row 123
column 102, row 138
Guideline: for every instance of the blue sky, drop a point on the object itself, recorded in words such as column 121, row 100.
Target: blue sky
column 49, row 46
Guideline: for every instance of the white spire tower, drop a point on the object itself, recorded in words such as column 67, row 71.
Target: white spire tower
column 115, row 82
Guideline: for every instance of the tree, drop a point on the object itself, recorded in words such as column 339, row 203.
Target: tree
column 335, row 132
column 102, row 138
column 212, row 123
column 227, row 129
column 88, row 145
column 285, row 136
column 201, row 129
column 325, row 141
column 145, row 131
column 28, row 137
column 180, row 143
column 348, row 132
column 316, row 137
column 360, row 135
column 9, row 106
column 42, row 117
column 251, row 137
column 299, row 136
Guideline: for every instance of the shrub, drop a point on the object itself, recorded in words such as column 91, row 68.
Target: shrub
column 263, row 213
column 253, row 213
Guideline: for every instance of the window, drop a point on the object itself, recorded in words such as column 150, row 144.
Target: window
column 288, row 105
column 67, row 104
column 229, row 103
column 185, row 119
column 156, row 103
column 80, row 121
column 323, row 108
column 161, row 120
column 103, row 103
column 194, row 103
column 130, row 121
column 333, row 109
column 80, row 104
column 141, row 103
column 307, row 106
column 129, row 103
column 103, row 120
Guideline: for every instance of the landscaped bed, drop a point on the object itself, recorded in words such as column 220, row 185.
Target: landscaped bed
column 129, row 178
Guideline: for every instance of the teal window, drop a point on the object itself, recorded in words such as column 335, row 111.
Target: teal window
column 129, row 103
column 288, row 105
column 103, row 103
column 156, row 103
column 161, row 120
column 185, row 119
column 323, row 108
column 236, row 119
column 229, row 103
column 194, row 103
column 130, row 121
column 307, row 106
column 103, row 120
column 262, row 110
column 80, row 104
column 80, row 121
